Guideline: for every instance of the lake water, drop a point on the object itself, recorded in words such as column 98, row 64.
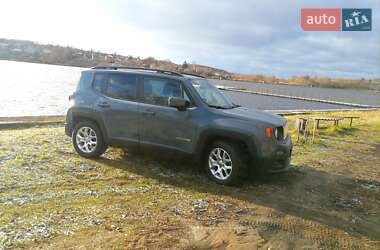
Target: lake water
column 277, row 103
column 340, row 95
column 31, row 89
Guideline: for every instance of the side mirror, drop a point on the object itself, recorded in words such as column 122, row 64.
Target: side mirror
column 179, row 103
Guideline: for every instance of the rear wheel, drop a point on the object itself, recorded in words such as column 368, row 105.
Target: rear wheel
column 88, row 140
column 224, row 163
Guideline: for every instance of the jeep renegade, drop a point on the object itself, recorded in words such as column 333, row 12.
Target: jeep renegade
column 127, row 107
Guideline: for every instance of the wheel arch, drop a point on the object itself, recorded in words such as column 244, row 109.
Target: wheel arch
column 208, row 137
column 84, row 116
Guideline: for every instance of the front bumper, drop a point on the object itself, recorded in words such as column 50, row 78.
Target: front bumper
column 274, row 166
column 275, row 158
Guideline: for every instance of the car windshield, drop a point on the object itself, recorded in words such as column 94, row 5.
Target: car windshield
column 211, row 95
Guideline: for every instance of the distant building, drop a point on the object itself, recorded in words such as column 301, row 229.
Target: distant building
column 109, row 58
column 17, row 50
column 30, row 50
column 46, row 51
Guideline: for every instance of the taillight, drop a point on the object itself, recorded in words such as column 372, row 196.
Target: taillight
column 71, row 97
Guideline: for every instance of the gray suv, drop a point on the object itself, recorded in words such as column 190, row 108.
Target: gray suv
column 137, row 107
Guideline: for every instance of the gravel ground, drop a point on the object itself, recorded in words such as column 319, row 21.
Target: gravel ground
column 52, row 198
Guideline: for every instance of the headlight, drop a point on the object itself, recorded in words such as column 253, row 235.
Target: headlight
column 286, row 129
column 281, row 132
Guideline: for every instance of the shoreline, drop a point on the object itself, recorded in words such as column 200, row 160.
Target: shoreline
column 28, row 121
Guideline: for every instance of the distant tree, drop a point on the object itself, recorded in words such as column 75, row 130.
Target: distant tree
column 260, row 78
column 306, row 78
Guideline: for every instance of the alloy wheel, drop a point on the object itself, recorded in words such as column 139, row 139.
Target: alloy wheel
column 220, row 163
column 86, row 139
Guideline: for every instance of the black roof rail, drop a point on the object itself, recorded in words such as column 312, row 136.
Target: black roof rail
column 162, row 71
column 191, row 74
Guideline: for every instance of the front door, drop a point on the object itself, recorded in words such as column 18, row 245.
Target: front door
column 160, row 124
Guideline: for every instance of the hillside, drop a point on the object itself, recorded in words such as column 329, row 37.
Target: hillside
column 28, row 51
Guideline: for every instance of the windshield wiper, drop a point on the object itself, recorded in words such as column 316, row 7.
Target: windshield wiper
column 217, row 107
column 235, row 105
column 220, row 107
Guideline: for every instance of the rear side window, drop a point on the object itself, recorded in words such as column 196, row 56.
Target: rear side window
column 85, row 80
column 122, row 86
column 158, row 90
column 99, row 82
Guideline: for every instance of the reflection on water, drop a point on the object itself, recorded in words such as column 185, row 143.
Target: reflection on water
column 340, row 95
column 35, row 89
column 277, row 103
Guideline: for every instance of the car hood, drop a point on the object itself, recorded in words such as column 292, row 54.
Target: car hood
column 255, row 115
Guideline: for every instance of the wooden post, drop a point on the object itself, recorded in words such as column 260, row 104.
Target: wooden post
column 307, row 134
column 315, row 125
column 351, row 122
column 298, row 130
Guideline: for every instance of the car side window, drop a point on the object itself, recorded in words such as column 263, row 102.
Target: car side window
column 158, row 90
column 99, row 82
column 122, row 86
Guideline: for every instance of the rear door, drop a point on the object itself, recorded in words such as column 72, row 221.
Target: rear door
column 160, row 124
column 118, row 105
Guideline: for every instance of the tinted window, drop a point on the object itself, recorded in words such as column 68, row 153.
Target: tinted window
column 158, row 90
column 122, row 86
column 84, row 80
column 99, row 81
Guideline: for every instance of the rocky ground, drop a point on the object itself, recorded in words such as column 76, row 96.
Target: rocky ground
column 52, row 198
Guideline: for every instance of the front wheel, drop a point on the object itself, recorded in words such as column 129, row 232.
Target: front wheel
column 224, row 163
column 88, row 140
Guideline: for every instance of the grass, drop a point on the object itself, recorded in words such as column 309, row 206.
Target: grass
column 52, row 198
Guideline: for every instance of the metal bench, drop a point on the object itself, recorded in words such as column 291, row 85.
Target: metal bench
column 330, row 119
column 307, row 127
column 351, row 118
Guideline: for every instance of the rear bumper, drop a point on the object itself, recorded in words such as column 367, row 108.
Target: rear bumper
column 67, row 129
column 68, row 123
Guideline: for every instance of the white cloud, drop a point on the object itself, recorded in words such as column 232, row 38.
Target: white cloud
column 243, row 36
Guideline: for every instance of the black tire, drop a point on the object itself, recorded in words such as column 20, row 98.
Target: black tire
column 237, row 158
column 100, row 147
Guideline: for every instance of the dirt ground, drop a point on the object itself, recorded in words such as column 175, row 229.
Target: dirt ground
column 51, row 198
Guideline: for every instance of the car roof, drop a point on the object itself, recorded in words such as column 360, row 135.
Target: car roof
column 144, row 71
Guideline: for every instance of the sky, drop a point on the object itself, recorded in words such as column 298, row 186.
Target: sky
column 251, row 36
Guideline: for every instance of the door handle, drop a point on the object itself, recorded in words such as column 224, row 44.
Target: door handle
column 148, row 112
column 104, row 104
